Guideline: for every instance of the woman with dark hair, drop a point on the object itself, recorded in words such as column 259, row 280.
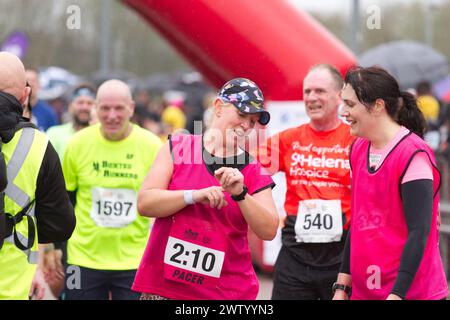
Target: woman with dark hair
column 392, row 248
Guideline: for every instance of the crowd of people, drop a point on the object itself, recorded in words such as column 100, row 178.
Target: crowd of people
column 118, row 204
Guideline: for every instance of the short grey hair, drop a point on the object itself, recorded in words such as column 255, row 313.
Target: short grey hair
column 335, row 74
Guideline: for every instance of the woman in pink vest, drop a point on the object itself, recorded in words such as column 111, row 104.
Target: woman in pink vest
column 205, row 192
column 392, row 248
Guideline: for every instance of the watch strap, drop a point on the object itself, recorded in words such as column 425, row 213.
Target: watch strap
column 343, row 287
column 240, row 196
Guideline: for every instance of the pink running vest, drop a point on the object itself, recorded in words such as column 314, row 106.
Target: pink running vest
column 378, row 228
column 200, row 252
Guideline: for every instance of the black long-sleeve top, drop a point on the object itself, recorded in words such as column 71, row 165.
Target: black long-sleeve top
column 54, row 212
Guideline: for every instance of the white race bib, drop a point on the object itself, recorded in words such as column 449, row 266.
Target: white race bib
column 113, row 208
column 319, row 221
column 193, row 257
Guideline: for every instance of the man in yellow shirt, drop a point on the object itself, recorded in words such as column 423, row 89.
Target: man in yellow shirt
column 104, row 166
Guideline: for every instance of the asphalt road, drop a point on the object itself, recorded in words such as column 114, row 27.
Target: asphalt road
column 265, row 286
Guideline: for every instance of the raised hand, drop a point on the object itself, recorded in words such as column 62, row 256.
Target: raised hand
column 231, row 180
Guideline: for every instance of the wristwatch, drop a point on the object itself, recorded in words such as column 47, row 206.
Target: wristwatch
column 240, row 196
column 343, row 287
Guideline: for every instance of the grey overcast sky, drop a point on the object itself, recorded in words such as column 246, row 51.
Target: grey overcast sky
column 344, row 6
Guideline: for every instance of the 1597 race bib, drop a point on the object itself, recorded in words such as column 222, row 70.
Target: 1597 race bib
column 113, row 208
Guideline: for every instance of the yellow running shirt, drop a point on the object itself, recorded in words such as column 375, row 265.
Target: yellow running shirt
column 106, row 175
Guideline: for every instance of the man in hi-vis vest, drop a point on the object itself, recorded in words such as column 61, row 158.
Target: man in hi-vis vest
column 34, row 206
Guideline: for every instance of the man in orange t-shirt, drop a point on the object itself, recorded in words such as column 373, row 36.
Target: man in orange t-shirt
column 314, row 157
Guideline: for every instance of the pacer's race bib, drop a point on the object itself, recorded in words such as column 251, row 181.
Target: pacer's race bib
column 319, row 221
column 113, row 208
column 194, row 253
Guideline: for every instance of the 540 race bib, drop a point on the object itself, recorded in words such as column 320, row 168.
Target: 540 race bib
column 319, row 221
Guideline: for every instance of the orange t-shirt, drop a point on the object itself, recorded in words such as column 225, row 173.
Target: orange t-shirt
column 316, row 164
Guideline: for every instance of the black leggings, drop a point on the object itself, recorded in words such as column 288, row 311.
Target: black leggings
column 90, row 284
column 296, row 281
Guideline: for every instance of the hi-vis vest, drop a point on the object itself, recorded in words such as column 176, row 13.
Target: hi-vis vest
column 23, row 157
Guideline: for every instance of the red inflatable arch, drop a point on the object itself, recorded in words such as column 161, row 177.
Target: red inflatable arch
column 270, row 41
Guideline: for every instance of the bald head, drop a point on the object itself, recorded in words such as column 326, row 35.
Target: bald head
column 114, row 88
column 12, row 76
column 114, row 109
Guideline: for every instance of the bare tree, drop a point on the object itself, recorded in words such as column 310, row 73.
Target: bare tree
column 135, row 46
